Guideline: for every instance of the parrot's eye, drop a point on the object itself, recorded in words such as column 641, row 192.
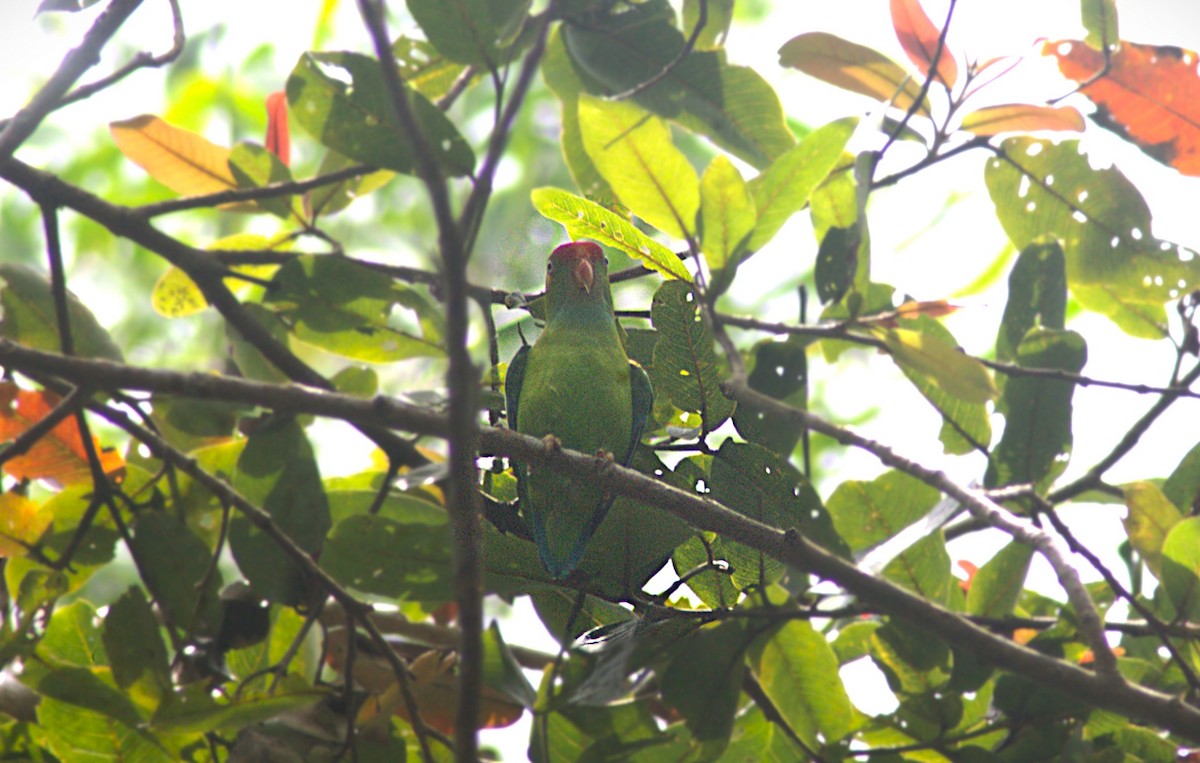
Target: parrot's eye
column 550, row 267
column 606, row 262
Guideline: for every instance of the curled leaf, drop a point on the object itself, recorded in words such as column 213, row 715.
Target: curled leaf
column 919, row 37
column 853, row 67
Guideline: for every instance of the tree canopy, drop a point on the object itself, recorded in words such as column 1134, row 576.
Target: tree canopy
column 258, row 490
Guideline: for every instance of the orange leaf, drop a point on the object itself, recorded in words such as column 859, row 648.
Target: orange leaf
column 919, row 38
column 59, row 456
column 1022, row 117
column 21, row 524
column 1025, row 635
column 971, row 569
column 278, row 138
column 852, row 67
column 1088, row 656
column 1150, row 96
column 182, row 160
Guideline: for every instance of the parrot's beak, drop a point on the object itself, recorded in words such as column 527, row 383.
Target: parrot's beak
column 585, row 276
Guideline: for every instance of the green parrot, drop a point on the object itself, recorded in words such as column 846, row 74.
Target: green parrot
column 575, row 383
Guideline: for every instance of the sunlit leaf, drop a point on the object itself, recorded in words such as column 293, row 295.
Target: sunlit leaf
column 633, row 151
column 1150, row 96
column 785, row 186
column 180, row 159
column 1100, row 20
column 332, row 198
column 59, row 456
column 1151, row 516
column 1181, row 567
column 726, row 211
column 196, row 711
column 944, row 365
column 561, row 77
column 853, row 67
column 919, row 37
column 253, row 167
column 868, row 513
column 425, row 69
column 587, row 219
column 716, row 27
column 21, row 524
column 176, row 295
column 1183, row 486
column 1115, row 266
column 1022, row 117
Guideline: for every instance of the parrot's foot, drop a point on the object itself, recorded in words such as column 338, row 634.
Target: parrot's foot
column 551, row 442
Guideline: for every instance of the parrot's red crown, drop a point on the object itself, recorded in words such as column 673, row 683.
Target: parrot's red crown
column 578, row 250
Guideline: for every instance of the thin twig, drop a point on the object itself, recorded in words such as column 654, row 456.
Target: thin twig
column 269, row 191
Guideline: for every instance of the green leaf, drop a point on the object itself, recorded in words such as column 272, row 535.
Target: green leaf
column 685, row 370
column 341, row 99
column 843, row 268
column 196, row 711
column 345, row 308
column 716, row 26
column 632, row 150
column 726, row 214
column 853, row 67
column 424, row 68
column 924, row 568
column 785, row 186
column 757, row 483
column 1181, row 567
column 1182, row 488
column 174, row 562
column 704, row 680
column 561, row 77
column 461, row 30
column 72, row 639
column 1037, row 412
column 996, row 586
column 731, row 105
column 133, row 642
column 1100, row 21
column 1151, row 517
column 333, row 198
column 73, row 733
column 714, row 586
column 246, row 356
column 965, row 426
column 83, row 688
column 868, row 513
column 277, row 471
column 586, row 219
column 914, row 659
column 942, row 364
column 779, row 370
column 253, row 167
column 502, row 672
column 1114, row 265
column 27, row 316
column 798, row 671
column 1037, row 296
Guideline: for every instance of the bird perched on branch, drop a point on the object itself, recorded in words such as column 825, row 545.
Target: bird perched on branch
column 577, row 384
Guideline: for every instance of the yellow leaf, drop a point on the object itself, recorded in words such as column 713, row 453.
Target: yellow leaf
column 946, row 367
column 175, row 295
column 1022, row 117
column 182, row 160
column 21, row 524
column 1151, row 516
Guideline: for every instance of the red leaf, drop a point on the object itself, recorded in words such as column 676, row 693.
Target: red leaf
column 1150, row 96
column 59, row 456
column 919, row 38
column 278, row 139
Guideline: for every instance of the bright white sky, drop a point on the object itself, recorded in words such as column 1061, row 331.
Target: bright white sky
column 916, row 248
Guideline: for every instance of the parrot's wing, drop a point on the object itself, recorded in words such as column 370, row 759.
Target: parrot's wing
column 642, row 395
column 512, row 384
column 512, row 399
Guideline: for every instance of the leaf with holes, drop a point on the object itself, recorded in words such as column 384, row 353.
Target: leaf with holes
column 919, row 37
column 341, row 99
column 779, row 370
column 1100, row 20
column 853, row 67
column 685, row 372
column 1150, row 96
column 1115, row 266
column 587, row 219
column 633, row 151
column 58, row 456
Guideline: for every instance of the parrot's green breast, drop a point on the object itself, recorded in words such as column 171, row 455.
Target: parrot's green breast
column 576, row 387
